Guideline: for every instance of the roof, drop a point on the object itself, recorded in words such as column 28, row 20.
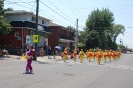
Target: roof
column 24, row 12
column 53, row 24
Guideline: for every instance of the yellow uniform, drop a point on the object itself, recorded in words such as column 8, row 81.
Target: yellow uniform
column 99, row 56
column 109, row 55
column 81, row 55
column 89, row 55
column 64, row 55
column 105, row 56
column 93, row 55
column 74, row 54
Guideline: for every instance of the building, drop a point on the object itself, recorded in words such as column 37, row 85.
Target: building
column 61, row 36
column 23, row 28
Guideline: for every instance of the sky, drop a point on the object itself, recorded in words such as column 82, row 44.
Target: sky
column 65, row 12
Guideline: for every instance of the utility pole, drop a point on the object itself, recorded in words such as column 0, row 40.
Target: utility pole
column 76, row 38
column 36, row 32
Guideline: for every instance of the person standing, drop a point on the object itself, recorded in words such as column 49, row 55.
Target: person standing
column 49, row 52
column 41, row 52
column 29, row 61
column 54, row 52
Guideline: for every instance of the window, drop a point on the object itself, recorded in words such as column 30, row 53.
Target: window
column 16, row 34
column 33, row 19
column 42, row 21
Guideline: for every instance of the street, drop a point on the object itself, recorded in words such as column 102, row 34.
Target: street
column 70, row 74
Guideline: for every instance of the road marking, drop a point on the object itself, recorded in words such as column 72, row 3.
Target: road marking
column 127, row 67
column 121, row 66
column 102, row 65
column 131, row 69
column 112, row 66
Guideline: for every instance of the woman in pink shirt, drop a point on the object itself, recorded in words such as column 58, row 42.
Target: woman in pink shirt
column 29, row 61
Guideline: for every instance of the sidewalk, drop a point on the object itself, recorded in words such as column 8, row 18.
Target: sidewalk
column 44, row 58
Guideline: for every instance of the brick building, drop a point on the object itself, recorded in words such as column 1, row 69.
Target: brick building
column 23, row 28
column 61, row 36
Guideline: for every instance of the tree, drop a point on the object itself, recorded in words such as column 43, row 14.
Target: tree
column 101, row 30
column 98, row 24
column 71, row 28
column 116, row 30
column 5, row 26
column 8, row 9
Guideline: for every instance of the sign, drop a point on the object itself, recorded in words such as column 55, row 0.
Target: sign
column 32, row 32
column 35, row 38
column 29, row 39
column 19, row 38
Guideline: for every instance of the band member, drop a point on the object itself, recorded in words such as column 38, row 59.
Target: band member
column 105, row 55
column 74, row 54
column 81, row 55
column 64, row 55
column 115, row 55
column 99, row 56
column 119, row 54
column 94, row 55
column 109, row 55
column 89, row 55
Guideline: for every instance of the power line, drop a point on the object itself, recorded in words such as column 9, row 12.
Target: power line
column 19, row 5
column 75, row 8
column 40, row 12
column 67, row 7
column 30, row 2
column 57, row 12
column 18, row 2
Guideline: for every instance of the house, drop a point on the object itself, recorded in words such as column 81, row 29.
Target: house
column 23, row 28
column 61, row 36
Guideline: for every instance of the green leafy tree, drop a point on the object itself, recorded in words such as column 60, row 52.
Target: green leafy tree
column 98, row 24
column 101, row 31
column 71, row 28
column 116, row 30
column 5, row 26
column 8, row 9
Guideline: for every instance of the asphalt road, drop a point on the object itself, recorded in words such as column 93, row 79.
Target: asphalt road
column 57, row 74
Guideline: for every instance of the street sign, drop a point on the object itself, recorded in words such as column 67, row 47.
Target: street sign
column 19, row 38
column 35, row 38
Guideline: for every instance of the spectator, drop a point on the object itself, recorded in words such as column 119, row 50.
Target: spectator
column 49, row 52
column 55, row 51
column 41, row 52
